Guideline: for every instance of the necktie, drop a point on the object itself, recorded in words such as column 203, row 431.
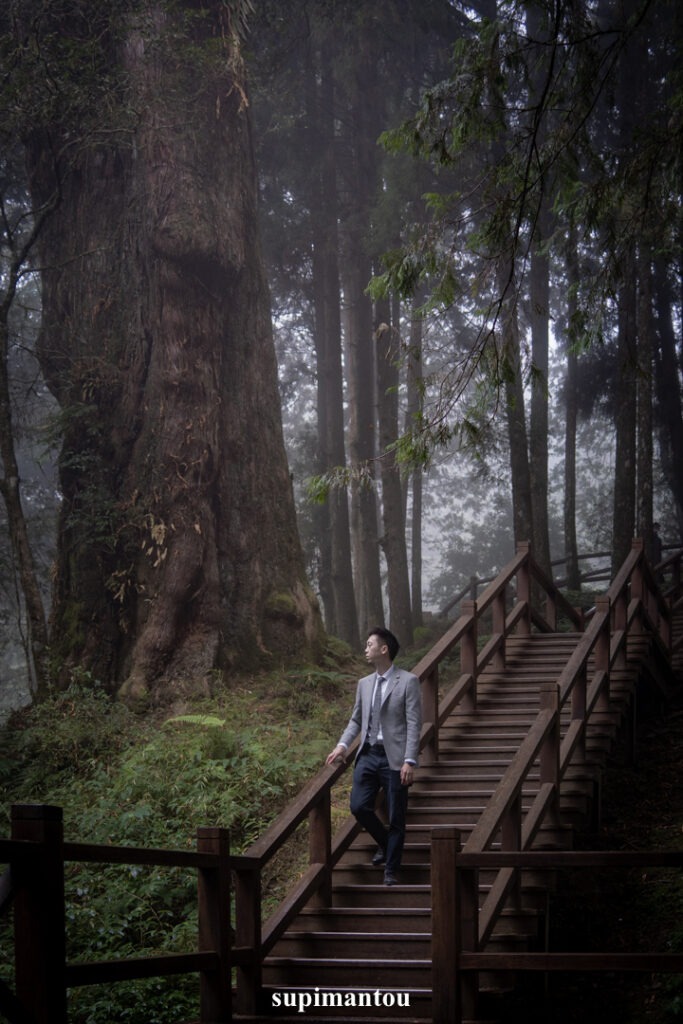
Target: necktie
column 373, row 728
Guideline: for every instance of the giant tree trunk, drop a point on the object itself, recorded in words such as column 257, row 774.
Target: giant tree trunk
column 178, row 549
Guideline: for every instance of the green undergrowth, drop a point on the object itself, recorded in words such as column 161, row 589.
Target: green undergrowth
column 232, row 760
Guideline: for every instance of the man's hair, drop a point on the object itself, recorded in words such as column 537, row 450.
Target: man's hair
column 388, row 638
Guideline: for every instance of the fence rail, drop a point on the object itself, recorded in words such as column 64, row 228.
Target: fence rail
column 457, row 940
column 34, row 884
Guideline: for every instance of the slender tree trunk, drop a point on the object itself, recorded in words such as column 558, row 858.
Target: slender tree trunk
column 335, row 541
column 668, row 397
column 623, row 516
column 362, row 441
column 571, row 418
column 178, row 549
column 414, row 405
column 387, row 340
column 644, row 407
column 520, row 474
column 624, row 512
column 10, row 488
column 361, row 374
column 539, row 288
column 538, row 417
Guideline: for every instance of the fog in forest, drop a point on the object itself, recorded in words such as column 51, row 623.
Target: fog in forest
column 468, row 221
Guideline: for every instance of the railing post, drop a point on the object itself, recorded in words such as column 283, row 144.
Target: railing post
column 39, row 917
column 498, row 613
column 619, row 616
column 320, row 844
column 579, row 711
column 474, row 588
column 602, row 651
column 524, row 586
column 550, row 750
column 468, row 653
column 430, row 712
column 248, row 933
column 638, row 581
column 511, row 838
column 454, row 929
column 213, row 899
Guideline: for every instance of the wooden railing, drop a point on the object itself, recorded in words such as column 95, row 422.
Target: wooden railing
column 520, row 599
column 632, row 607
column 457, row 952
column 34, row 883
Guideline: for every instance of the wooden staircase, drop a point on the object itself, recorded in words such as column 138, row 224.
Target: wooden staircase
column 349, row 953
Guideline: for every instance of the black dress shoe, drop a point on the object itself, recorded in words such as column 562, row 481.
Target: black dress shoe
column 379, row 856
column 390, row 879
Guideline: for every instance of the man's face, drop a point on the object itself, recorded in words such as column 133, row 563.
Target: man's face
column 375, row 648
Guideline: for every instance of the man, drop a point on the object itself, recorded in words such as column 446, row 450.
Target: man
column 388, row 715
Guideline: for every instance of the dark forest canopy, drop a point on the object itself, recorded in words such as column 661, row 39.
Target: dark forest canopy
column 471, row 227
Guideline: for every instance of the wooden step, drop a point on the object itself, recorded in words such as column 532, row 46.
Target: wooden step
column 388, row 974
column 349, row 919
column 377, row 937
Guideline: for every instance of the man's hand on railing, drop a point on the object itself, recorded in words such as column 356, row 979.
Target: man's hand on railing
column 335, row 754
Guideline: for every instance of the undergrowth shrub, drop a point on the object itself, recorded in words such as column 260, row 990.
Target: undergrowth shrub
column 150, row 781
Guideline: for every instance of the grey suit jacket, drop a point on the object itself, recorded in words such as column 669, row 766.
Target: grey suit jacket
column 401, row 716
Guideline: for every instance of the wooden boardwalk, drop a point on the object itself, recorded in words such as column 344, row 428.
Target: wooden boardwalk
column 368, row 938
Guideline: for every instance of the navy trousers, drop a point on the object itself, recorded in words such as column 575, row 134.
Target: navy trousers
column 370, row 774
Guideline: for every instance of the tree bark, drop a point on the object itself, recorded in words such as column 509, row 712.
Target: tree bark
column 414, row 406
column 538, row 413
column 361, row 374
column 670, row 412
column 387, row 341
column 178, row 549
column 520, row 473
column 571, row 418
column 336, row 568
column 10, row 488
column 645, row 488
column 623, row 515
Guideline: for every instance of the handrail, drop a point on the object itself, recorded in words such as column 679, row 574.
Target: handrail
column 34, row 883
column 459, row 956
column 633, row 604
column 314, row 800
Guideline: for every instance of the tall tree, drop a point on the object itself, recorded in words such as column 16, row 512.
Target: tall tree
column 524, row 120
column 336, row 576
column 571, row 401
column 178, row 549
column 388, row 355
column 19, row 233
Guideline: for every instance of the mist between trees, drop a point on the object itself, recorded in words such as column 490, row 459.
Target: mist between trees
column 464, row 223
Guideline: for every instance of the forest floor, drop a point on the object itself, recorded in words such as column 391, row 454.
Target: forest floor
column 626, row 911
